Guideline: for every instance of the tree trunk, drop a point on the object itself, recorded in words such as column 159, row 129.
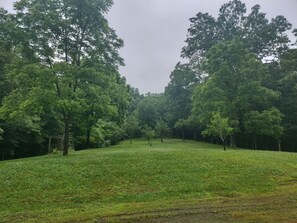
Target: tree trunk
column 66, row 136
column 255, row 144
column 224, row 143
column 279, row 145
column 88, row 137
column 50, row 145
column 195, row 136
column 161, row 139
column 21, row 153
column 3, row 155
column 233, row 141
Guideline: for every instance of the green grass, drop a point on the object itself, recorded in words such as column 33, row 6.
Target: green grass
column 92, row 184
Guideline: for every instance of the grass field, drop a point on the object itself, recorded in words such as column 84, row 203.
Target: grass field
column 170, row 182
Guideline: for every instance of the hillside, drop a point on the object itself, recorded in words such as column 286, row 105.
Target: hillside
column 170, row 182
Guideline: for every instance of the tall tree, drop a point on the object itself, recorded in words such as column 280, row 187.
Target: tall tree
column 260, row 36
column 234, row 85
column 25, row 110
column 178, row 93
column 6, row 51
column 69, row 36
column 265, row 123
column 182, row 125
column 135, row 98
column 287, row 85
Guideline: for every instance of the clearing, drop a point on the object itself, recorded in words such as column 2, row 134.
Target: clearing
column 170, row 182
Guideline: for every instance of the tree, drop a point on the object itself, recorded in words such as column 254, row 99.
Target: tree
column 24, row 111
column 182, row 124
column 135, row 98
column 2, row 150
column 194, row 125
column 76, row 38
column 234, row 85
column 105, row 133
column 287, row 85
column 267, row 122
column 150, row 109
column 8, row 51
column 178, row 93
column 105, row 97
column 162, row 129
column 148, row 133
column 260, row 36
column 218, row 127
column 130, row 127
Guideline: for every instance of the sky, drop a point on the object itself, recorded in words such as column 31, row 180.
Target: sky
column 154, row 32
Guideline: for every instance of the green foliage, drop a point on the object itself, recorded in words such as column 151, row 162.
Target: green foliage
column 150, row 109
column 1, row 133
column 267, row 122
column 134, row 100
column 148, row 133
column 77, row 30
column 181, row 124
column 287, row 85
column 218, row 127
column 162, row 129
column 234, row 85
column 130, row 126
column 105, row 133
column 63, row 71
column 178, row 93
column 206, row 99
column 260, row 36
column 59, row 78
column 226, row 56
column 28, row 103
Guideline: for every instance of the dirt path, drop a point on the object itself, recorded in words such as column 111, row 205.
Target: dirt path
column 276, row 207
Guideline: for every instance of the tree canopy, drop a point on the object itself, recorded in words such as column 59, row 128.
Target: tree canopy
column 61, row 73
column 262, row 37
column 60, row 85
column 242, row 67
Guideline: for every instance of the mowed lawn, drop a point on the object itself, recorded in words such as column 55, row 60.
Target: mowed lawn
column 171, row 182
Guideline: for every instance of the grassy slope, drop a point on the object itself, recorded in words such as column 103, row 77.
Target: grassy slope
column 137, row 180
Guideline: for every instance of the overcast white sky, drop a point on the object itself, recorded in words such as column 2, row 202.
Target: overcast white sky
column 154, row 32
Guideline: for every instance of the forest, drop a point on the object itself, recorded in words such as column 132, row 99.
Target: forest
column 60, row 86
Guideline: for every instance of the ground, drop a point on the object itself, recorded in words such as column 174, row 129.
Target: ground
column 171, row 182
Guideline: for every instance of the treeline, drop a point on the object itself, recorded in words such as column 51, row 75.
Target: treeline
column 59, row 80
column 60, row 86
column 239, row 86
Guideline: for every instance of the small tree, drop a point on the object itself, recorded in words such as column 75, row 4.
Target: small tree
column 162, row 129
column 218, row 127
column 130, row 127
column 148, row 133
